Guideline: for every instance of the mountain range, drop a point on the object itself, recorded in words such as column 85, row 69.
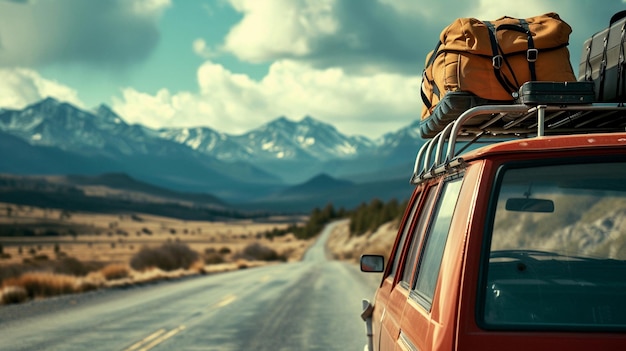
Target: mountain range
column 282, row 165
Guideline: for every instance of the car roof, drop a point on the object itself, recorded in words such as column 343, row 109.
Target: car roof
column 550, row 143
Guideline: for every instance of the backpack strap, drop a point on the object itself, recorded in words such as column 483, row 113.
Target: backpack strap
column 497, row 60
column 532, row 52
column 436, row 90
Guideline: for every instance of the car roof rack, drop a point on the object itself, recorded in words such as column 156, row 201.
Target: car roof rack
column 506, row 122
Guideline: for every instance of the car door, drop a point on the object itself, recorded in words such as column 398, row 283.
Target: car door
column 399, row 286
column 416, row 325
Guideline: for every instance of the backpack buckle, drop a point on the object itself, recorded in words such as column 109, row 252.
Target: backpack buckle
column 531, row 55
column 496, row 61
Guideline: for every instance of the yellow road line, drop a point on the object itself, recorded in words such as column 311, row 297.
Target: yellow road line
column 225, row 301
column 147, row 339
column 163, row 338
column 154, row 339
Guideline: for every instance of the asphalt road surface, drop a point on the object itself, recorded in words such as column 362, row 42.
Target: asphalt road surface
column 310, row 305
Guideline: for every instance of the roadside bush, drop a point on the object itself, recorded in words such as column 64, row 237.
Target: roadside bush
column 168, row 257
column 43, row 284
column 11, row 271
column 213, row 258
column 13, row 294
column 115, row 271
column 256, row 251
column 72, row 266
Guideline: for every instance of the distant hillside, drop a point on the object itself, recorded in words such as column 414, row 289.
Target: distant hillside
column 111, row 193
column 324, row 189
column 322, row 182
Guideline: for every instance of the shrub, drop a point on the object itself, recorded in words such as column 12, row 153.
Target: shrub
column 42, row 284
column 115, row 271
column 85, row 285
column 256, row 251
column 72, row 266
column 213, row 258
column 13, row 294
column 168, row 257
column 136, row 218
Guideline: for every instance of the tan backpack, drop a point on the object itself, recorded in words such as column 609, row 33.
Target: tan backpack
column 493, row 59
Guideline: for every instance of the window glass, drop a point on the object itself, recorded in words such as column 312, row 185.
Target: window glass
column 417, row 236
column 557, row 255
column 405, row 231
column 430, row 262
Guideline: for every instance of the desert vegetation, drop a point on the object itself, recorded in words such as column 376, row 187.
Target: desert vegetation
column 364, row 219
column 47, row 252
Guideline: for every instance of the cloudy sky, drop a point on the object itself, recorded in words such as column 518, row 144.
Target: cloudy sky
column 234, row 65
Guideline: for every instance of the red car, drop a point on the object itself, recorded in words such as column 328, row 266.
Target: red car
column 517, row 245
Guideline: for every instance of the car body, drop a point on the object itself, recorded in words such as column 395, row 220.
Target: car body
column 517, row 245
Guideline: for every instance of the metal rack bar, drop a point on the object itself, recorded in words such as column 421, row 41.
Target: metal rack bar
column 427, row 166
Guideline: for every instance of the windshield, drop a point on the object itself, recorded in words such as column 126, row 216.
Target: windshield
column 557, row 251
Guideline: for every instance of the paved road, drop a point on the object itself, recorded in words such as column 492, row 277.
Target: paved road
column 309, row 305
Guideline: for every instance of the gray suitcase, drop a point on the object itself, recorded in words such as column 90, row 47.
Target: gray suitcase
column 603, row 61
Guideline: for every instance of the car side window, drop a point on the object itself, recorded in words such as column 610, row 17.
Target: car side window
column 405, row 232
column 435, row 242
column 416, row 238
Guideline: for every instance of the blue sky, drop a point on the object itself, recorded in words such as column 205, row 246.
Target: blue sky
column 233, row 65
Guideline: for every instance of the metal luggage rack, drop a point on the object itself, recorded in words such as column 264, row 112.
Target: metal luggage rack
column 506, row 122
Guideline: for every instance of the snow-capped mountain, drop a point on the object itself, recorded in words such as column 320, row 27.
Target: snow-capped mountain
column 280, row 153
column 309, row 138
column 61, row 125
column 281, row 139
column 111, row 145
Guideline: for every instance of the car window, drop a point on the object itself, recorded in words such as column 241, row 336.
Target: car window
column 416, row 238
column 435, row 241
column 405, row 231
column 557, row 250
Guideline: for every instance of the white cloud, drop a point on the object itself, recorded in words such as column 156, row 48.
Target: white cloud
column 325, row 33
column 200, row 48
column 21, row 87
column 234, row 103
column 295, row 24
column 114, row 32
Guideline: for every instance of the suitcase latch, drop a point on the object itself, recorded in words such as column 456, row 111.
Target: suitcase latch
column 531, row 55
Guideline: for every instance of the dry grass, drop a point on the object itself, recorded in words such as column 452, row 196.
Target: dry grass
column 13, row 294
column 44, row 284
column 343, row 246
column 109, row 238
column 168, row 257
column 100, row 255
column 115, row 271
column 99, row 252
